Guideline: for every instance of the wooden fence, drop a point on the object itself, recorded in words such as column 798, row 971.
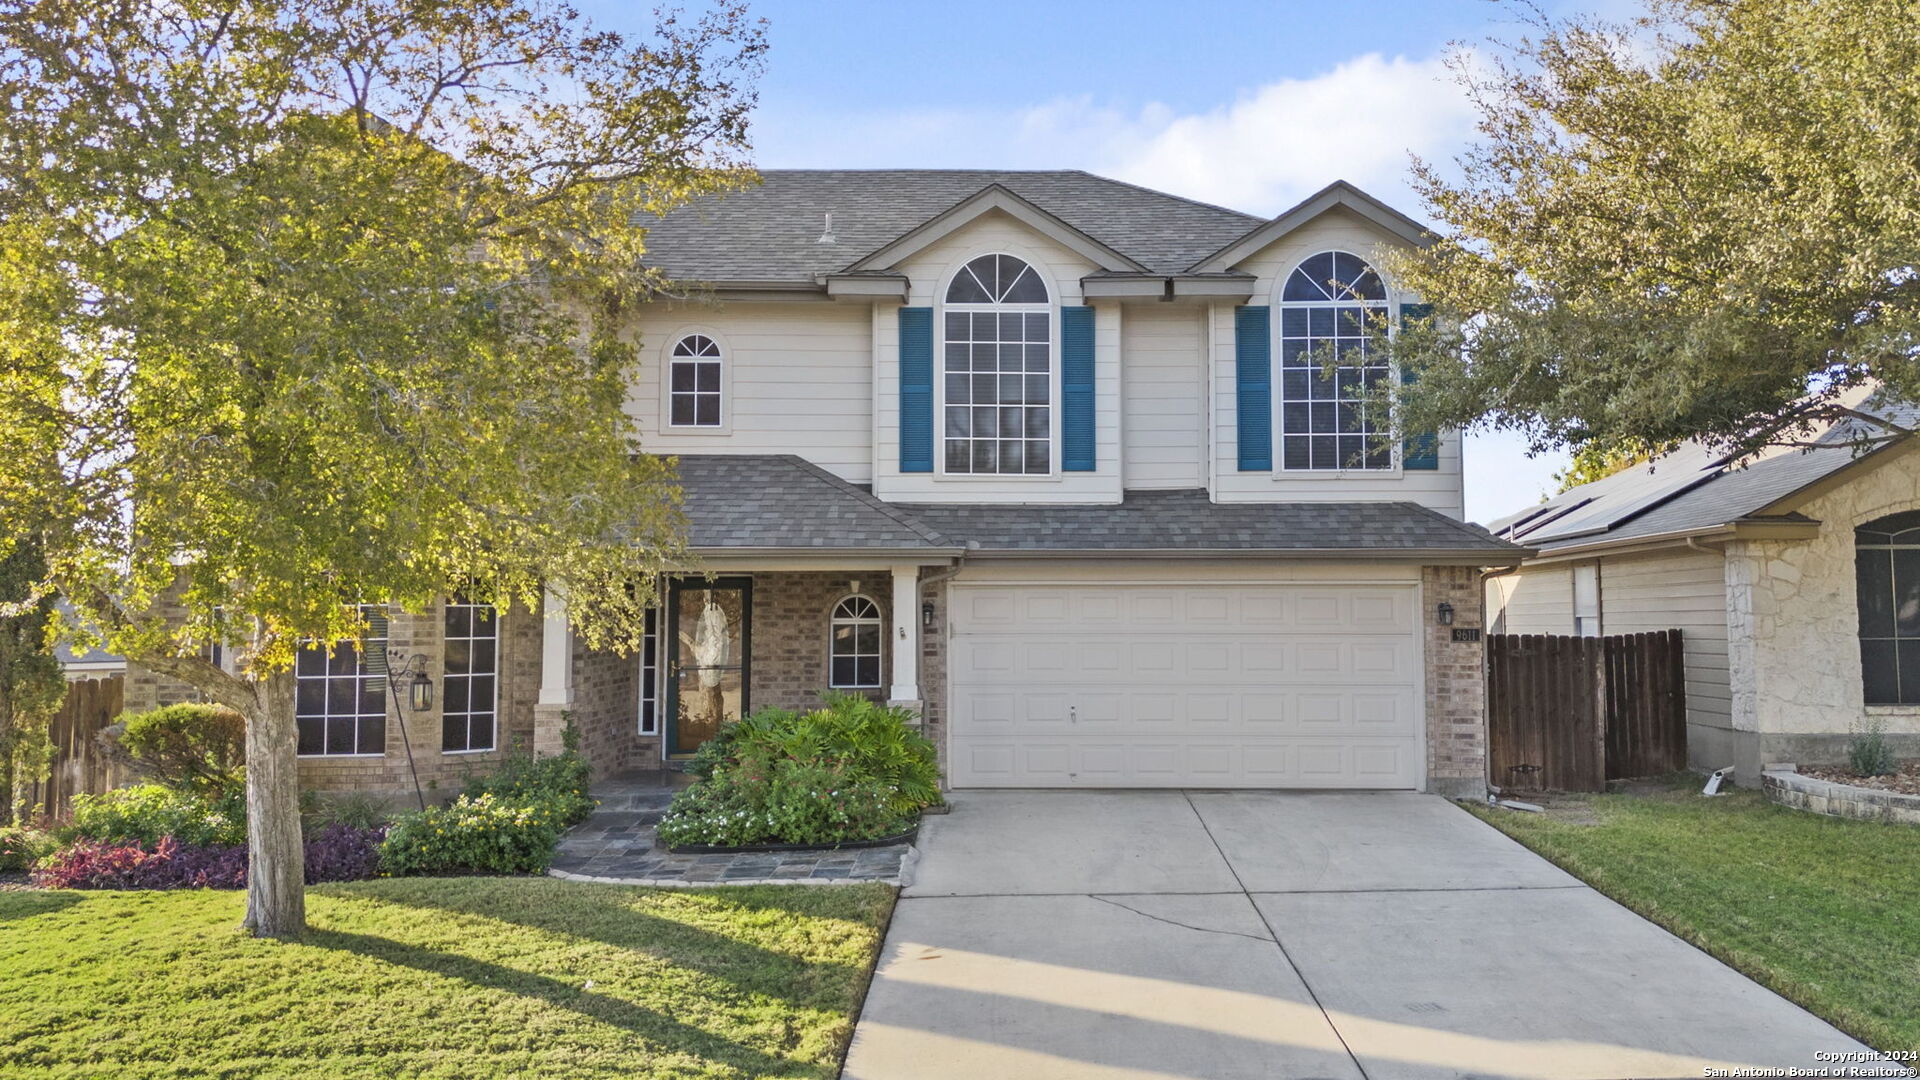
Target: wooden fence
column 1571, row 713
column 79, row 765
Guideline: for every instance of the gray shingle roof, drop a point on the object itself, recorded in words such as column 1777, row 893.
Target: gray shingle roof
column 769, row 502
column 1188, row 521
column 1691, row 489
column 771, row 231
column 778, row 501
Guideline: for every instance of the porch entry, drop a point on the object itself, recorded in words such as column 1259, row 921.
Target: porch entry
column 709, row 636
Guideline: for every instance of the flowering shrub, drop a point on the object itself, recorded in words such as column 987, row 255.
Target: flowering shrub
column 149, row 812
column 559, row 783
column 338, row 853
column 486, row 834
column 763, row 799
column 21, row 847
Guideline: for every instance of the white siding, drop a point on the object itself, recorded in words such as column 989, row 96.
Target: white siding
column 1532, row 600
column 1440, row 489
column 928, row 271
column 798, row 380
column 1676, row 589
column 1681, row 590
column 1164, row 380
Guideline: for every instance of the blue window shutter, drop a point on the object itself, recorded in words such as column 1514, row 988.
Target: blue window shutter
column 1076, row 389
column 916, row 389
column 1421, row 451
column 1253, row 385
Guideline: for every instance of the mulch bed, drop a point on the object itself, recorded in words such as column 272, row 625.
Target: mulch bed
column 1905, row 780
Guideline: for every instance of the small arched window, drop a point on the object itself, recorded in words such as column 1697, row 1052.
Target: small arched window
column 694, row 371
column 854, row 640
column 1887, row 582
column 998, row 369
column 1330, row 305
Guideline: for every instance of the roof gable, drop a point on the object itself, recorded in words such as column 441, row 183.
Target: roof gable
column 1337, row 194
column 987, row 200
column 774, row 233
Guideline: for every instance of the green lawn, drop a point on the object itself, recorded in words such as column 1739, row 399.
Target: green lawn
column 1825, row 912
column 424, row 977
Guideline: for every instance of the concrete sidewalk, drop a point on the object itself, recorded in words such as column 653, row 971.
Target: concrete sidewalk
column 1258, row 935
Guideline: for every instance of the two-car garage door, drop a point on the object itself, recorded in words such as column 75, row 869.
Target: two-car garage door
column 1307, row 686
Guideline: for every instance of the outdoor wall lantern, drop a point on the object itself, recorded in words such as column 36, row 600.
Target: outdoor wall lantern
column 1444, row 613
column 926, row 616
column 420, row 692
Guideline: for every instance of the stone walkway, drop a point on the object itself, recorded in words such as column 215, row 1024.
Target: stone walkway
column 616, row 846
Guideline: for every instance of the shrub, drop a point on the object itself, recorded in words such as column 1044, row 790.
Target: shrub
column 354, row 809
column 339, row 853
column 767, row 799
column 868, row 740
column 21, row 848
column 147, row 813
column 1868, row 753
column 201, row 748
column 559, row 784
column 483, row 834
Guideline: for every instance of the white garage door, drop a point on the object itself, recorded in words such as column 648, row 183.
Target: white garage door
column 1286, row 686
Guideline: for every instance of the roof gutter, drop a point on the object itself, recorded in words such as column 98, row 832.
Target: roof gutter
column 1423, row 556
column 1167, row 286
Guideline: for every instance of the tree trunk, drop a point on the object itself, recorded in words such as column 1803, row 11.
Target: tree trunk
column 276, row 872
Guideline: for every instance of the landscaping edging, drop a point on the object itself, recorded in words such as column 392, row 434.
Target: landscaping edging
column 1786, row 786
column 905, row 837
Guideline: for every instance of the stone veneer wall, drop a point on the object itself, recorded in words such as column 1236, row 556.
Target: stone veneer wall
column 1793, row 630
column 933, row 664
column 441, row 774
column 1455, row 683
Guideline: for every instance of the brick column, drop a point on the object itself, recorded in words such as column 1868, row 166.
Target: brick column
column 1456, row 683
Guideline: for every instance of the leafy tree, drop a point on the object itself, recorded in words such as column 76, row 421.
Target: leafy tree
column 32, row 685
column 1704, row 223
column 305, row 303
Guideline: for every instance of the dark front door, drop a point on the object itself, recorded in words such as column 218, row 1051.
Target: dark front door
column 709, row 631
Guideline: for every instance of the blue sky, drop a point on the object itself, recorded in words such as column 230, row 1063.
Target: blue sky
column 1245, row 104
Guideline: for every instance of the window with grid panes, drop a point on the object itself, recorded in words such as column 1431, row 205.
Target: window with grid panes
column 998, row 370
column 1328, row 419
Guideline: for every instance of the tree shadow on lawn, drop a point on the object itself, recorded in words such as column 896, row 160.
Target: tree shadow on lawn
column 609, row 915
column 27, row 903
column 655, row 1027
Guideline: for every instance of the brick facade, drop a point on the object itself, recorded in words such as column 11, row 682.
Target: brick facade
column 441, row 774
column 1456, row 683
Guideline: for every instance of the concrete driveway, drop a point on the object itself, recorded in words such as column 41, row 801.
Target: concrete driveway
column 1223, row 935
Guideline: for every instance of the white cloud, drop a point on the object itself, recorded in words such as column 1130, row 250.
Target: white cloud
column 1361, row 121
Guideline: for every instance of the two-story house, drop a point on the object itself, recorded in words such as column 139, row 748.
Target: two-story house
column 1050, row 458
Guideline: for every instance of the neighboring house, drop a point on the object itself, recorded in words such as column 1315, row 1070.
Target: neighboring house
column 1046, row 457
column 92, row 664
column 1793, row 576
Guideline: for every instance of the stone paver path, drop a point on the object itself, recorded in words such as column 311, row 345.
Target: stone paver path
column 617, row 845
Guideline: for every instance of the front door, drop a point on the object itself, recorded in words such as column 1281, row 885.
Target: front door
column 710, row 629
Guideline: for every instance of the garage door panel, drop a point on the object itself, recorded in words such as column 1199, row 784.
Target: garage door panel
column 1184, row 762
column 1275, row 686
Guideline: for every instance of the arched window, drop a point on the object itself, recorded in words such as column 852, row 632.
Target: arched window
column 999, row 370
column 853, row 648
column 1328, row 306
column 1887, row 582
column 694, row 398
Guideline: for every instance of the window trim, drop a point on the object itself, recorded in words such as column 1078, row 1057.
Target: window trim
column 452, row 602
column 386, row 694
column 727, row 358
column 648, row 727
column 835, row 621
column 1277, row 388
column 1860, row 636
column 1051, row 308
